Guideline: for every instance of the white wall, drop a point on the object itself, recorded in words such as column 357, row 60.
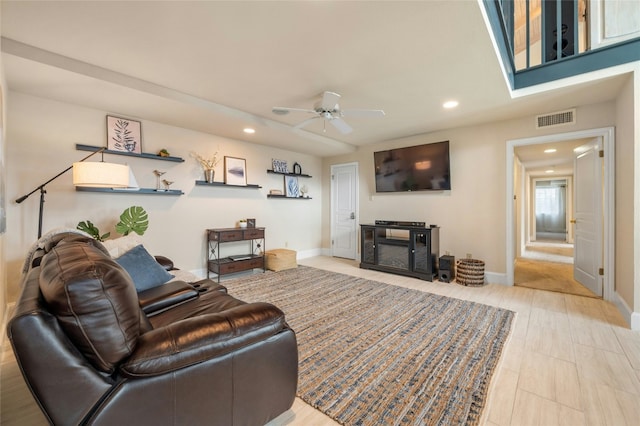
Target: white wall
column 472, row 214
column 625, row 188
column 41, row 139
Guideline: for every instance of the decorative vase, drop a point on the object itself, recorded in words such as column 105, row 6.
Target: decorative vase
column 209, row 175
column 243, row 224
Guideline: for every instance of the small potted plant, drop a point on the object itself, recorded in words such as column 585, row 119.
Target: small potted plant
column 243, row 223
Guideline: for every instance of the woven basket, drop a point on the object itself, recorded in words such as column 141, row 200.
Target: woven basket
column 280, row 259
column 470, row 272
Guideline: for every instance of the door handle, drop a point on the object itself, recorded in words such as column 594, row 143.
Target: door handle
column 352, row 215
column 572, row 221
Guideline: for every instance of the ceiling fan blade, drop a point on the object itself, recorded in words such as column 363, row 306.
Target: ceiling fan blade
column 305, row 122
column 363, row 113
column 341, row 125
column 286, row 110
column 329, row 101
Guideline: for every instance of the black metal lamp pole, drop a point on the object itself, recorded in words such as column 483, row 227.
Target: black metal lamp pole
column 43, row 190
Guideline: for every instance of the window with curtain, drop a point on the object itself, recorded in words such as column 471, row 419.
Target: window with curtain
column 547, row 200
column 550, row 207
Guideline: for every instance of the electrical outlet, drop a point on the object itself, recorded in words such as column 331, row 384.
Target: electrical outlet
column 447, row 253
column 469, row 256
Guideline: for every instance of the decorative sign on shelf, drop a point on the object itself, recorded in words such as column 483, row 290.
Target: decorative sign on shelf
column 279, row 166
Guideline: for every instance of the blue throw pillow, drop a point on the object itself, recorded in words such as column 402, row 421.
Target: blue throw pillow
column 145, row 272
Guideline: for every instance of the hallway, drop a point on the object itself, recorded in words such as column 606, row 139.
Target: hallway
column 549, row 266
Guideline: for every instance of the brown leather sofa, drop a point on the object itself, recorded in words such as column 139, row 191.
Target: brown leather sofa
column 91, row 355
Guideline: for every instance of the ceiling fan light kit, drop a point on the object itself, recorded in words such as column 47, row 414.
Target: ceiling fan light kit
column 329, row 110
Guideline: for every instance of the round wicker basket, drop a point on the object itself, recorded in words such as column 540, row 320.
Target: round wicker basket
column 470, row 272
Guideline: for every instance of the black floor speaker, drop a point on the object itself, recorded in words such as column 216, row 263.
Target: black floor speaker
column 447, row 271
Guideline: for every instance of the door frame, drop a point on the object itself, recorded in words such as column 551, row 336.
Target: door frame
column 608, row 140
column 355, row 164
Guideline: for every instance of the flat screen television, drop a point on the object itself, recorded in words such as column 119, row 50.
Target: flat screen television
column 413, row 168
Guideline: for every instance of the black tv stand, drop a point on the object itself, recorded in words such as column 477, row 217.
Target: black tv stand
column 402, row 249
column 400, row 223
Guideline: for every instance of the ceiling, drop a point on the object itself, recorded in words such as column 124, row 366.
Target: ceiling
column 218, row 67
column 538, row 163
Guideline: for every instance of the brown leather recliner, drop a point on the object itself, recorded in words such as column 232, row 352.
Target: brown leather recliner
column 90, row 355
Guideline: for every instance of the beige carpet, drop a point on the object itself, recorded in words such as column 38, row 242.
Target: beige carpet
column 375, row 354
column 550, row 276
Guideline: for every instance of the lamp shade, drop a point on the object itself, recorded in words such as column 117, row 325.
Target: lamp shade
column 100, row 175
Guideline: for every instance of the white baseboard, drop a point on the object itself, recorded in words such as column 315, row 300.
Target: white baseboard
column 495, row 278
column 632, row 318
column 635, row 321
column 311, row 253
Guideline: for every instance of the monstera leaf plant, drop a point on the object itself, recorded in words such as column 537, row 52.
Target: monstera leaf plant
column 133, row 219
column 88, row 227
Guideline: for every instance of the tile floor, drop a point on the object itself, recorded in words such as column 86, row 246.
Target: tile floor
column 570, row 360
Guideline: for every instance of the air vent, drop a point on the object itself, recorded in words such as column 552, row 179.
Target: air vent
column 559, row 118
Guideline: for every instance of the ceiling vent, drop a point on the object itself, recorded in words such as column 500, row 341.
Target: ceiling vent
column 554, row 119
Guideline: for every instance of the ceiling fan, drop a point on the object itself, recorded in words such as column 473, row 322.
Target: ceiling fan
column 328, row 109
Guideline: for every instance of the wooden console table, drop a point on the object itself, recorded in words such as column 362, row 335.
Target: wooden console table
column 251, row 259
column 405, row 250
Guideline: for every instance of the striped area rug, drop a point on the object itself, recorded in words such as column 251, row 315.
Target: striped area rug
column 375, row 354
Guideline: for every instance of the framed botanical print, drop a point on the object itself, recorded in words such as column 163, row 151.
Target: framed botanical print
column 291, row 186
column 124, row 135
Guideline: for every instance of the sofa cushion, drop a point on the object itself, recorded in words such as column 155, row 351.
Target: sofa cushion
column 119, row 246
column 145, row 272
column 93, row 299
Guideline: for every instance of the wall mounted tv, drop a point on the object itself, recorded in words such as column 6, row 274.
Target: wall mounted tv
column 414, row 168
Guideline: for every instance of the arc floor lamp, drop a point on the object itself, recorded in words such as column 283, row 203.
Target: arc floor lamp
column 96, row 174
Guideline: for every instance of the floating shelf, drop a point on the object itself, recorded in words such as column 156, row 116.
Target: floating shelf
column 289, row 198
column 81, row 147
column 288, row 174
column 145, row 191
column 248, row 186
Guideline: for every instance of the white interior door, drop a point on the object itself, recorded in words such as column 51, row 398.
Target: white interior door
column 344, row 188
column 587, row 220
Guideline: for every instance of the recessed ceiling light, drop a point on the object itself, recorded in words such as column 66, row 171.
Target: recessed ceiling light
column 549, row 171
column 550, row 150
column 450, row 104
column 249, row 130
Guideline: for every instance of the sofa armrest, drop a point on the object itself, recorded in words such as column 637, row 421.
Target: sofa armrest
column 158, row 299
column 194, row 340
column 165, row 262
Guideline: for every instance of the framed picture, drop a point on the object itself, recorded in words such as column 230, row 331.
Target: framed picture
column 124, row 135
column 291, row 186
column 251, row 223
column 279, row 166
column 235, row 171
